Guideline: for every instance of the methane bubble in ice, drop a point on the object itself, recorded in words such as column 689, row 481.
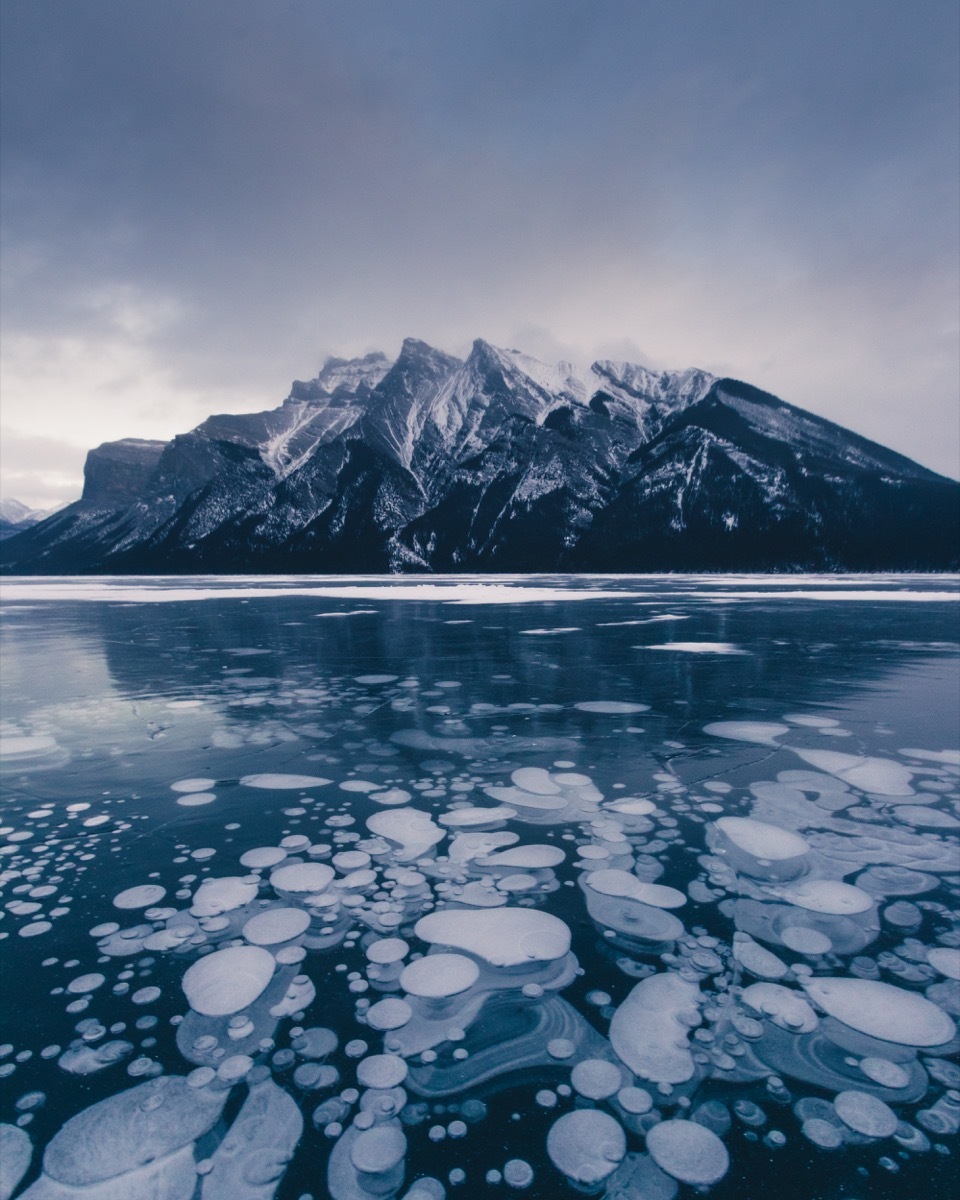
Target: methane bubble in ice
column 881, row 1010
column 688, row 1151
column 276, row 925
column 613, row 882
column 882, row 776
column 614, row 707
column 651, row 1028
column 505, row 937
column 946, row 960
column 302, row 878
column 762, row 840
column 216, row 896
column 16, row 1152
column 278, row 783
column 596, row 1078
column 438, row 975
column 140, row 897
column 586, row 1145
column 193, row 785
column 762, row 732
column 381, row 1071
column 865, row 1114
column 262, row 856
column 116, row 1136
column 828, row 896
column 227, row 981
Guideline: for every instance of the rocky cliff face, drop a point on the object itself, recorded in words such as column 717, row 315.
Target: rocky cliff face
column 502, row 463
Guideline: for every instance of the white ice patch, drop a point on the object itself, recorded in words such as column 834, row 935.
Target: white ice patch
column 140, row 897
column 613, row 707
column 688, row 1151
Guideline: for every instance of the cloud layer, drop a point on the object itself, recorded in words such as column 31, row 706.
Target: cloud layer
column 201, row 201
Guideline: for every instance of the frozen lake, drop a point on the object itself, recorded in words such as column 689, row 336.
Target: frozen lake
column 641, row 887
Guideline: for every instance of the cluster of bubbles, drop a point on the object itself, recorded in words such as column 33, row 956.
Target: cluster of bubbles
column 441, row 907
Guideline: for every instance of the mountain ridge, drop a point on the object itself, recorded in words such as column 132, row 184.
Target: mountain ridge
column 498, row 462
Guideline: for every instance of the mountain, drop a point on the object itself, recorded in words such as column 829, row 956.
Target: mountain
column 15, row 517
column 502, row 463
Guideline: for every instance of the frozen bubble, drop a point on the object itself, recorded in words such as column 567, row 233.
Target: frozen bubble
column 688, row 1151
column 390, row 1013
column 86, row 983
column 227, row 981
column 828, row 896
column 140, row 897
column 438, row 975
column 596, row 1078
column 273, row 782
column 518, row 1173
column 196, row 799
column 129, row 1130
column 412, row 831
column 381, row 1071
column 372, row 680
column 635, row 1100
column 762, row 732
column 391, row 796
column 757, row 959
column 276, row 925
column 946, row 960
column 82, row 1059
column 466, row 818
column 262, row 856
column 302, row 878
column 881, row 1010
column 193, row 785
column 216, row 896
column 650, row 1030
column 888, row 1074
column 613, row 707
column 881, row 776
column 387, row 950
column 586, row 1145
column 762, row 840
column 866, row 1114
column 146, row 995
column 34, row 929
column 530, row 857
column 378, row 1150
column 785, row 1007
column 921, row 817
column 612, row 882
column 505, row 937
column 535, row 779
column 822, row 1133
column 16, row 1151
column 896, row 881
column 697, row 647
column 804, row 940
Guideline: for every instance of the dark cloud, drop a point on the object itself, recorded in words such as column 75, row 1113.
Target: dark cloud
column 201, row 200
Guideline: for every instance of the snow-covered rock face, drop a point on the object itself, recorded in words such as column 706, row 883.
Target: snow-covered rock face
column 500, row 462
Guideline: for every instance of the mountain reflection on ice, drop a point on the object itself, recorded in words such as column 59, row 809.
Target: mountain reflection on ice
column 412, row 903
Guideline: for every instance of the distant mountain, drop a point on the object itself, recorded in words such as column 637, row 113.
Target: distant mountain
column 502, row 463
column 15, row 517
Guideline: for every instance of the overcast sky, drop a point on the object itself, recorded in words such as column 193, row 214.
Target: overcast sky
column 203, row 200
